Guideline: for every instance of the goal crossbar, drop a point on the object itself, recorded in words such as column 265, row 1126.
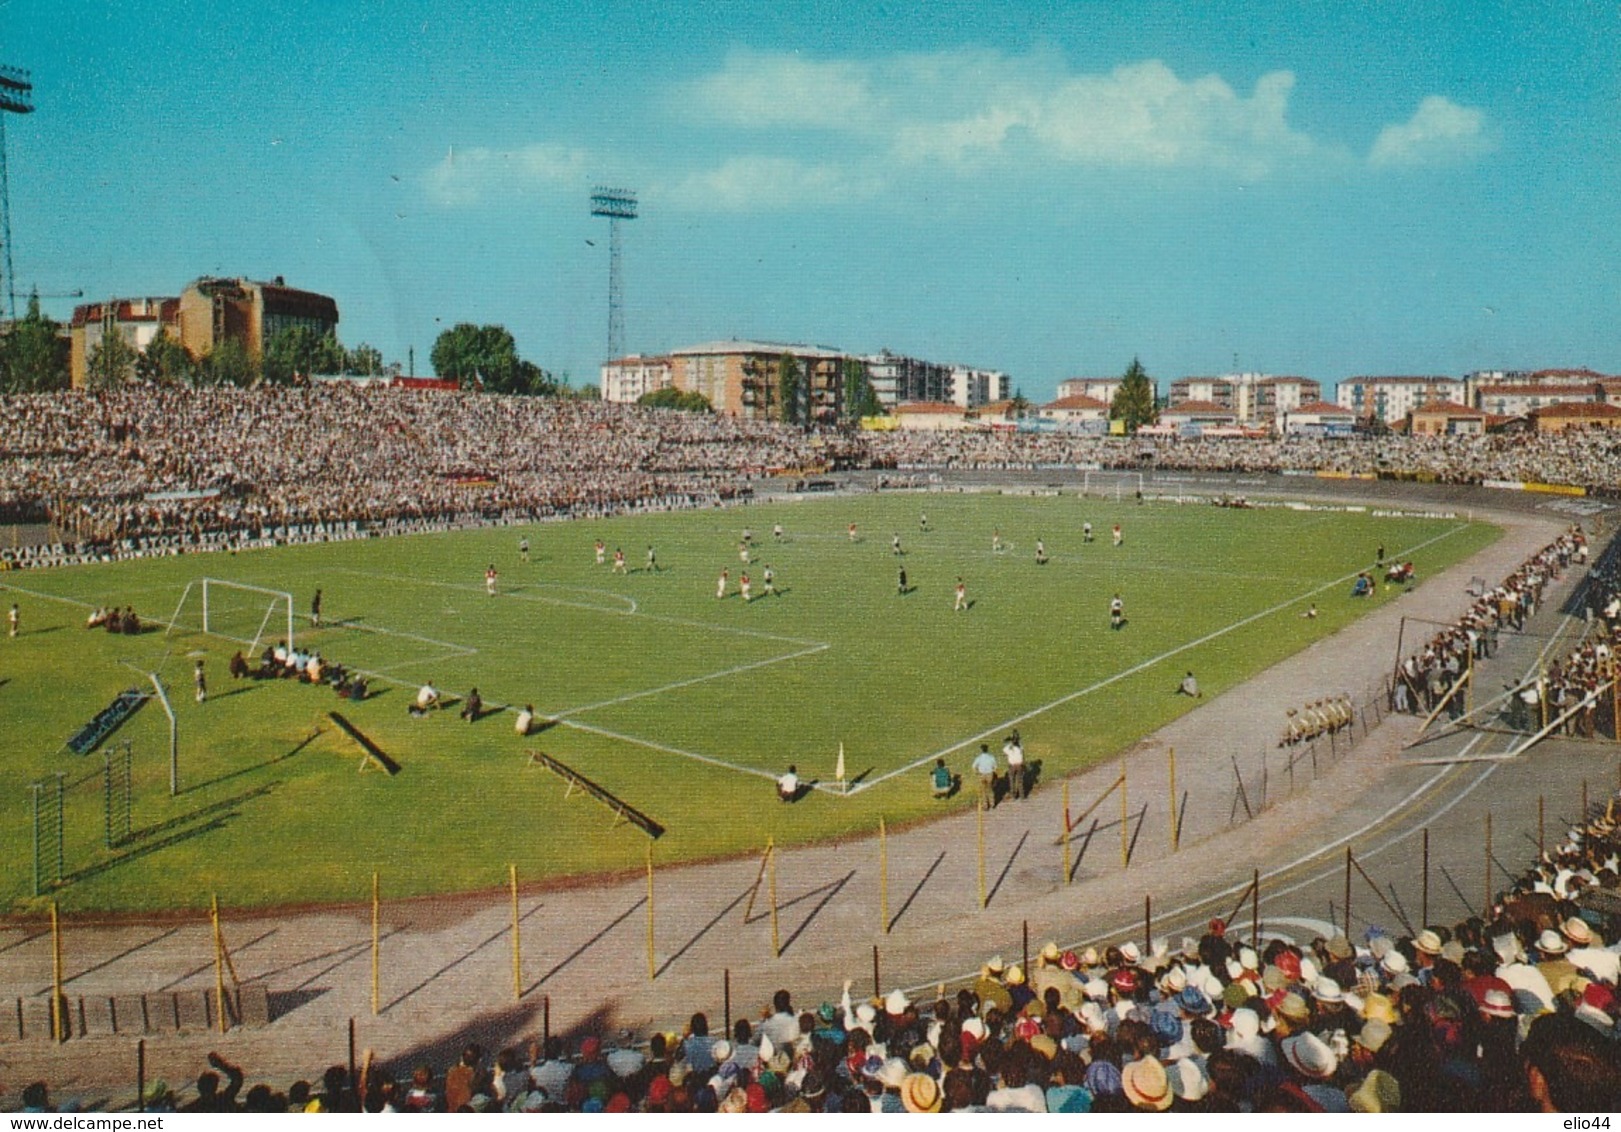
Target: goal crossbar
column 280, row 598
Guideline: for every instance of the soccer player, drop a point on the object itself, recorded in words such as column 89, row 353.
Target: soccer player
column 200, row 680
column 923, row 522
column 315, row 610
column 601, row 552
column 472, row 706
column 895, row 543
column 720, row 585
column 1086, row 532
column 1117, row 612
column 852, row 532
column 1118, row 537
column 900, row 585
column 996, row 541
column 770, row 582
column 748, row 534
column 489, row 580
column 652, row 561
column 743, row 586
column 1311, row 612
column 523, row 549
column 743, row 552
column 1041, row 553
column 776, row 531
column 13, row 620
column 962, row 597
column 619, row 562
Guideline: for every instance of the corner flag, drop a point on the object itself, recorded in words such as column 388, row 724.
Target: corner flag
column 838, row 771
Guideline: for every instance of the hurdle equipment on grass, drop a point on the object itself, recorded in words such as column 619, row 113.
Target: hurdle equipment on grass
column 108, row 720
column 372, row 753
column 226, row 613
column 622, row 810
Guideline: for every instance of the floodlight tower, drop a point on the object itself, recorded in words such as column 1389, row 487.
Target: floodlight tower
column 616, row 205
column 16, row 90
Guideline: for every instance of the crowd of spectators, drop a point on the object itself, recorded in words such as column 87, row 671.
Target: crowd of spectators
column 163, row 470
column 1432, row 676
column 1515, row 1011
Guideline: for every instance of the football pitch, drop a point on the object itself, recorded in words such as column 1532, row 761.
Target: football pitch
column 681, row 704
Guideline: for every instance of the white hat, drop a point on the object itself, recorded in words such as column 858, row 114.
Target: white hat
column 721, row 1051
column 1188, row 1080
column 1551, row 942
column 1327, row 990
column 1394, row 963
column 897, row 1002
column 893, row 1072
column 1130, row 953
column 1248, row 959
column 1246, row 1023
column 1310, row 1055
column 866, row 1013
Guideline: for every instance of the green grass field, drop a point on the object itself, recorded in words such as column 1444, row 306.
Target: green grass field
column 685, row 706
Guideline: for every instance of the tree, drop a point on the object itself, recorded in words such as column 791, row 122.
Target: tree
column 1134, row 400
column 30, row 358
column 111, row 362
column 672, row 398
column 229, row 363
column 166, row 361
column 363, row 360
column 860, row 399
column 789, row 386
column 477, row 356
column 297, row 352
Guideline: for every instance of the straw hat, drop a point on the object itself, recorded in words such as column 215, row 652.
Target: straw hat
column 1379, row 1092
column 1310, row 1056
column 1428, row 942
column 920, row 1093
column 1146, row 1084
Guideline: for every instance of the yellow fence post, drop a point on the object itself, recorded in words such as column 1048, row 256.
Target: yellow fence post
column 376, row 941
column 776, row 938
column 1125, row 836
column 517, row 942
column 1066, row 832
column 219, row 959
column 982, row 853
column 652, row 971
column 57, row 1027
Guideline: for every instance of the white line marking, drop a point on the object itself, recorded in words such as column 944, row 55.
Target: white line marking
column 689, row 682
column 694, row 755
column 1134, row 669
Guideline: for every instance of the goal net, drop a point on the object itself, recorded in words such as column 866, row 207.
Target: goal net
column 249, row 615
column 1112, row 485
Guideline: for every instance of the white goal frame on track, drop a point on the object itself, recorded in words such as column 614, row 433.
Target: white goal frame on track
column 277, row 597
column 1119, row 478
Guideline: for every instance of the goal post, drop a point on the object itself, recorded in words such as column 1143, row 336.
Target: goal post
column 236, row 611
column 1111, row 483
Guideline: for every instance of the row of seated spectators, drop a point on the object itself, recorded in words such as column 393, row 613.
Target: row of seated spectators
column 278, row 662
column 1515, row 1012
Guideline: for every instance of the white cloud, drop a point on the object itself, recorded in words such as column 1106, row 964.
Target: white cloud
column 762, row 183
column 966, row 107
column 1439, row 131
column 759, row 90
column 466, row 176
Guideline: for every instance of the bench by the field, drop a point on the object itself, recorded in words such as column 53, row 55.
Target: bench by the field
column 623, row 811
column 108, row 720
column 373, row 754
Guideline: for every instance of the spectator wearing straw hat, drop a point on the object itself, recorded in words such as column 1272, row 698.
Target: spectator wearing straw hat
column 1146, row 1085
column 1588, row 954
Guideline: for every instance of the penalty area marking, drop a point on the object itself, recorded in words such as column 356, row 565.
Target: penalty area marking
column 1136, row 668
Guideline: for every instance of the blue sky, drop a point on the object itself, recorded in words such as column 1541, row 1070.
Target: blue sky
column 1047, row 189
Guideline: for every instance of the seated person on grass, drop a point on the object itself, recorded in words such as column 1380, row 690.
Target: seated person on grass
column 940, row 779
column 427, row 698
